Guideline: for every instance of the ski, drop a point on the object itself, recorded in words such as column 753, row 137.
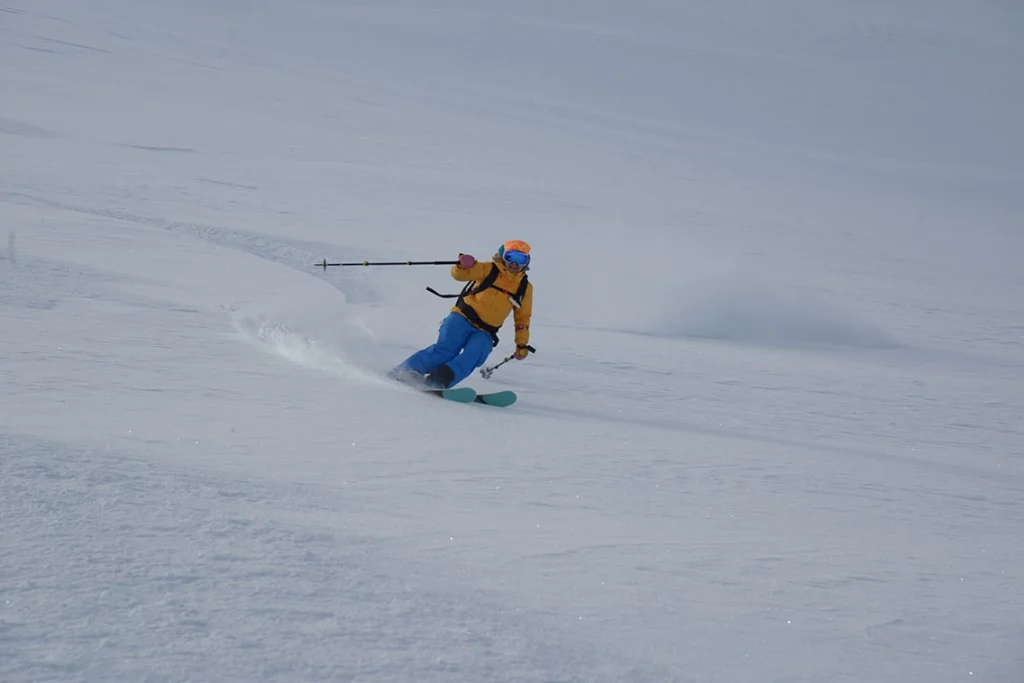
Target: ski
column 459, row 394
column 500, row 399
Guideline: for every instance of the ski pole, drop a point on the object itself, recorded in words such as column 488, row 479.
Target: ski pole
column 487, row 372
column 324, row 264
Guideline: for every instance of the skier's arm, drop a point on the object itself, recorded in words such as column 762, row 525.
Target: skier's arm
column 478, row 271
column 522, row 317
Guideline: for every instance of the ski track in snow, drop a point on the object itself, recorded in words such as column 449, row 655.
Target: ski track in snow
column 297, row 255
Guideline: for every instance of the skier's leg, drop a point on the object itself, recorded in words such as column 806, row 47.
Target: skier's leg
column 478, row 347
column 450, row 338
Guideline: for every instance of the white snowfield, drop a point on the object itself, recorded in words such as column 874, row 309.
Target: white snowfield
column 773, row 430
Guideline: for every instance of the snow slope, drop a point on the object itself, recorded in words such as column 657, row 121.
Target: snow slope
column 773, row 428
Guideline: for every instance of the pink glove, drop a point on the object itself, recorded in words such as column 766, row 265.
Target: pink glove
column 466, row 261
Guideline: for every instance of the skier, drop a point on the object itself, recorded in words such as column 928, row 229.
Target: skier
column 470, row 330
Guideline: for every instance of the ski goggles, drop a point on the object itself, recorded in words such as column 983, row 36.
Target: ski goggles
column 516, row 257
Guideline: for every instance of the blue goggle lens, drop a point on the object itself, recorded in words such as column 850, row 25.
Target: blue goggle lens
column 517, row 257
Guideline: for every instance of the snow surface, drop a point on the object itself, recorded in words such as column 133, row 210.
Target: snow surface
column 773, row 430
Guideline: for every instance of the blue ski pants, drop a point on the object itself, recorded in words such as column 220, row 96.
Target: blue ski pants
column 459, row 345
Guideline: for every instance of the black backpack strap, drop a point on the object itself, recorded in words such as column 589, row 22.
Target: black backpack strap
column 468, row 311
column 469, row 290
column 521, row 292
column 516, row 298
column 471, row 315
column 474, row 318
column 488, row 281
column 445, row 296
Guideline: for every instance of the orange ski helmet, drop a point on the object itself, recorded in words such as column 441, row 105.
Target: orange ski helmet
column 515, row 251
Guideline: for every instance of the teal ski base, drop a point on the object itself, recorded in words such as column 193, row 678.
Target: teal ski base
column 499, row 399
column 459, row 394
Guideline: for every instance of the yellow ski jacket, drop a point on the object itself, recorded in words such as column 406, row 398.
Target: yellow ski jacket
column 489, row 308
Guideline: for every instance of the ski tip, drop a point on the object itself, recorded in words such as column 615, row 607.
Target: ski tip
column 500, row 399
